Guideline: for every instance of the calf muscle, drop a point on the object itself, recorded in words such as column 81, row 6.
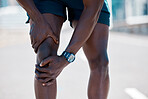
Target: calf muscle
column 49, row 92
column 48, row 48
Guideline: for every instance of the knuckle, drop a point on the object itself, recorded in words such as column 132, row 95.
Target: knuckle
column 46, row 75
column 53, row 76
column 48, row 80
column 35, row 48
column 32, row 46
column 36, row 72
column 51, row 72
column 42, row 69
column 48, row 84
column 34, row 38
column 40, row 80
column 38, row 68
column 36, row 77
column 43, row 75
column 30, row 31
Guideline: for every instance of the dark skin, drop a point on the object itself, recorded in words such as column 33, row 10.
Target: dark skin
column 41, row 29
column 92, row 37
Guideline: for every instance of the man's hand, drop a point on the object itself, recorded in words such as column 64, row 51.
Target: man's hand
column 39, row 32
column 49, row 69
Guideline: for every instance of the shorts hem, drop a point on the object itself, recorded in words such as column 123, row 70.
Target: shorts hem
column 59, row 14
column 104, row 18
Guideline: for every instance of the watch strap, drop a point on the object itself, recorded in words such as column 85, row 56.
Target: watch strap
column 67, row 55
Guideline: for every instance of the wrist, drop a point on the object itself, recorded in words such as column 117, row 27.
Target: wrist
column 36, row 16
column 74, row 47
column 64, row 59
column 69, row 57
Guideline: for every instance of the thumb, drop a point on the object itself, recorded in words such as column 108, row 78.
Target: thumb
column 45, row 61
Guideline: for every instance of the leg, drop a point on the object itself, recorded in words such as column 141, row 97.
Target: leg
column 95, row 50
column 47, row 48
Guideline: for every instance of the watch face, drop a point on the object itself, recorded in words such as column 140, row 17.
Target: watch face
column 71, row 58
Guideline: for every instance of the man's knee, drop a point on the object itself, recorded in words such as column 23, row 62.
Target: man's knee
column 46, row 49
column 99, row 63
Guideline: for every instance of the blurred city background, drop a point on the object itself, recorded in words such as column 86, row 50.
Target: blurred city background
column 127, row 48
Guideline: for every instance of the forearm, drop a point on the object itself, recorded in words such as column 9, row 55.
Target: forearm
column 31, row 9
column 84, row 28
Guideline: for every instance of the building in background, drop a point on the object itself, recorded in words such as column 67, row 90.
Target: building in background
column 127, row 15
column 130, row 16
column 4, row 3
column 118, row 10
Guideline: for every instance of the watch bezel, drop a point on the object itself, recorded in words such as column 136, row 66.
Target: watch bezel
column 70, row 57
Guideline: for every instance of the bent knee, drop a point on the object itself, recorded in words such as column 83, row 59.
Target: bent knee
column 99, row 63
column 47, row 48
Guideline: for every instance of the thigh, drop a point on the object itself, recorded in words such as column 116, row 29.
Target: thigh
column 75, row 14
column 96, row 46
column 48, row 47
column 55, row 7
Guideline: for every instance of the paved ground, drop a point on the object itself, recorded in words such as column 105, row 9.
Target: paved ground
column 128, row 66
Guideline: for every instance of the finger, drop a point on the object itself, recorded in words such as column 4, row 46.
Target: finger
column 40, row 69
column 31, row 28
column 31, row 39
column 44, row 80
column 38, row 43
column 49, row 83
column 41, row 75
column 33, row 44
column 45, row 61
column 44, row 70
column 55, row 39
column 31, row 32
column 36, row 46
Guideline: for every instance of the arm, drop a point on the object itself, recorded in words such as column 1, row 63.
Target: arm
column 40, row 29
column 83, row 30
column 31, row 9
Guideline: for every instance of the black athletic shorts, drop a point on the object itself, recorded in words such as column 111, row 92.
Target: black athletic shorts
column 74, row 7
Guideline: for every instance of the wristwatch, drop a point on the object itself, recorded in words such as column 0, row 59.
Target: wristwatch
column 70, row 57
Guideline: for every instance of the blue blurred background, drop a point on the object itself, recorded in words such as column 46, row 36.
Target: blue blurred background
column 127, row 15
